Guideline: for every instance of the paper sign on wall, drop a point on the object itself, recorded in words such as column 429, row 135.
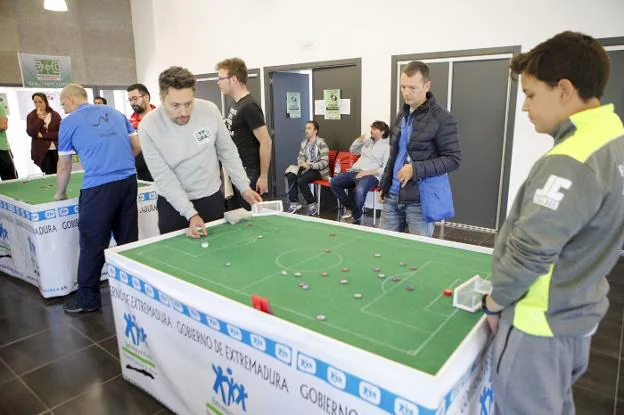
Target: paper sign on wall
column 293, row 104
column 319, row 107
column 345, row 107
column 332, row 104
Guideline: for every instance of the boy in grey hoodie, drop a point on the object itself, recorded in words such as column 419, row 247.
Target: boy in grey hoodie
column 563, row 233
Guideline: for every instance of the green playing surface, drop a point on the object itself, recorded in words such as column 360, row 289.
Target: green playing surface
column 41, row 190
column 419, row 328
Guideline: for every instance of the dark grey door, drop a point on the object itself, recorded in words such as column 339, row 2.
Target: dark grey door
column 287, row 132
column 480, row 114
column 207, row 89
column 485, row 118
column 614, row 93
column 253, row 85
column 439, row 76
column 339, row 133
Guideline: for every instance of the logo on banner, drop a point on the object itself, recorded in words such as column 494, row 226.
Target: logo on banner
column 33, row 256
column 487, row 399
column 5, row 246
column 133, row 331
column 230, row 392
column 136, row 348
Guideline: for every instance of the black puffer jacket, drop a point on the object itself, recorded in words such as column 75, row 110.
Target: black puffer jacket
column 433, row 147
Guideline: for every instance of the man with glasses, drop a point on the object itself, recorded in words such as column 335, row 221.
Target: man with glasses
column 139, row 99
column 245, row 121
column 183, row 142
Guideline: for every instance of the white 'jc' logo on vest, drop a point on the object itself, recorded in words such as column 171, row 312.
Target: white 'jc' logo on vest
column 550, row 196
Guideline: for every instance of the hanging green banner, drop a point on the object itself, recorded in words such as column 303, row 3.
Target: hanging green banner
column 45, row 71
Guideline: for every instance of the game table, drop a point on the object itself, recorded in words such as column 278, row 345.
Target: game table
column 39, row 236
column 359, row 323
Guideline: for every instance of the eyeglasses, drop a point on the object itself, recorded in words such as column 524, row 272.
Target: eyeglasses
column 221, row 78
column 135, row 99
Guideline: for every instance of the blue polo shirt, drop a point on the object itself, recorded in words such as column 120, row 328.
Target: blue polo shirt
column 402, row 155
column 99, row 135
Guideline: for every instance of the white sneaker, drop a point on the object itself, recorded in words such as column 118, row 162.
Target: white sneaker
column 294, row 207
column 348, row 214
column 312, row 209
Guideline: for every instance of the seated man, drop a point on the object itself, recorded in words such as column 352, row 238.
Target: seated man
column 312, row 164
column 365, row 173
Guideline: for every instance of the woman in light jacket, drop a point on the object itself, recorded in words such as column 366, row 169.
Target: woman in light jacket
column 42, row 125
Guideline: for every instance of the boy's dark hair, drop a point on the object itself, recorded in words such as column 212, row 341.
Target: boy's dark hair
column 104, row 101
column 382, row 126
column 177, row 78
column 574, row 56
column 315, row 124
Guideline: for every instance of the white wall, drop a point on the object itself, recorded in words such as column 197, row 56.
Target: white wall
column 198, row 33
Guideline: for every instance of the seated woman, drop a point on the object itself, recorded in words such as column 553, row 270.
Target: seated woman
column 365, row 173
column 42, row 125
column 312, row 164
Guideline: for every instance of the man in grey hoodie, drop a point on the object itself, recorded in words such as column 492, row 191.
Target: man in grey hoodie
column 183, row 141
column 563, row 233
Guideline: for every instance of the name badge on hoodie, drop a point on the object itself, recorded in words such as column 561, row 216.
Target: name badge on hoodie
column 202, row 136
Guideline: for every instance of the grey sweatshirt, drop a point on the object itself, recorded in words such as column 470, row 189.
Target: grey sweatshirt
column 373, row 155
column 564, row 231
column 184, row 159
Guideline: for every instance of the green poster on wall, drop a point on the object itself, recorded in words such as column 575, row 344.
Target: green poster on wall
column 45, row 71
column 332, row 104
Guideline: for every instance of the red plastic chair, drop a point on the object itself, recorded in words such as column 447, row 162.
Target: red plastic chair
column 346, row 160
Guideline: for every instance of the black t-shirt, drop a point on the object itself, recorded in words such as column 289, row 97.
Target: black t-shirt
column 243, row 117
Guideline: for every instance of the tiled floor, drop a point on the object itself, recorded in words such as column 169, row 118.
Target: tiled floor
column 51, row 363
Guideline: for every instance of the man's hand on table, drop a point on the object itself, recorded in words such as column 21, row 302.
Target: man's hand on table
column 197, row 227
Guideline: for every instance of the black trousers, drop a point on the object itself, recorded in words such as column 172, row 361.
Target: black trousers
column 143, row 172
column 209, row 208
column 237, row 201
column 302, row 180
column 109, row 208
column 7, row 168
column 49, row 163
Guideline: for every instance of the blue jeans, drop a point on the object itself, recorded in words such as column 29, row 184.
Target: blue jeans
column 347, row 180
column 395, row 215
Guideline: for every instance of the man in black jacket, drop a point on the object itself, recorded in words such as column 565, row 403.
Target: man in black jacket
column 424, row 142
